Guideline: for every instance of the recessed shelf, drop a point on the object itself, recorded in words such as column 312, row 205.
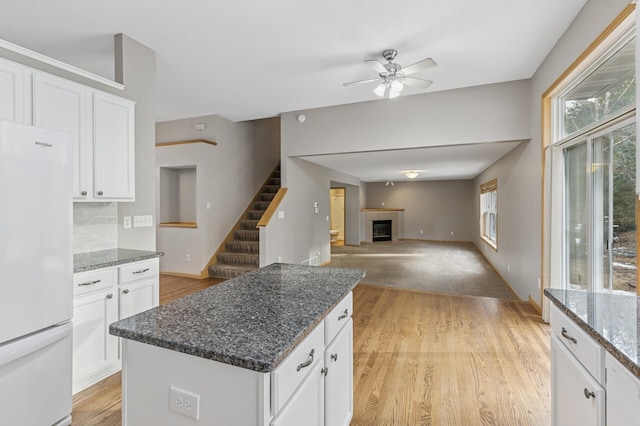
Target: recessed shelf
column 178, row 225
column 178, row 197
column 186, row 142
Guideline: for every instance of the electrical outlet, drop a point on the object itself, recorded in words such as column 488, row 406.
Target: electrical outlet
column 127, row 222
column 539, row 283
column 422, row 231
column 184, row 402
column 188, row 258
column 279, row 259
column 142, row 221
column 451, row 232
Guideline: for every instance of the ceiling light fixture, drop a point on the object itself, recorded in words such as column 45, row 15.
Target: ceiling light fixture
column 389, row 182
column 389, row 88
column 411, row 174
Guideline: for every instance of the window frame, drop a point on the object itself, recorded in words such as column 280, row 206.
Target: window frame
column 489, row 194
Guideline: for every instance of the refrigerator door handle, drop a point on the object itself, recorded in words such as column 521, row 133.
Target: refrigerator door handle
column 25, row 346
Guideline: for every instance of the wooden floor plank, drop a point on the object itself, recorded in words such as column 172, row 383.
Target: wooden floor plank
column 419, row 359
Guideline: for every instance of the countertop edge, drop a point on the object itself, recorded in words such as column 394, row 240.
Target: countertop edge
column 140, row 256
column 610, row 348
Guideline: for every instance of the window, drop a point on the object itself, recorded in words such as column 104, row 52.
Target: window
column 594, row 128
column 489, row 212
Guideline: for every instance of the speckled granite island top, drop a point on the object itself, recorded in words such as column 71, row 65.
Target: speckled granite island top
column 253, row 321
column 612, row 320
column 104, row 258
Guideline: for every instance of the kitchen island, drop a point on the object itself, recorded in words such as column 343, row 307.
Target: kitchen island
column 273, row 346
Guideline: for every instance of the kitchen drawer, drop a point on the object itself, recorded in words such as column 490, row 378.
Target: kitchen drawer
column 138, row 270
column 337, row 318
column 582, row 346
column 286, row 378
column 86, row 282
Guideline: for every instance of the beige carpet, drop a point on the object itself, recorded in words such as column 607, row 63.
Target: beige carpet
column 452, row 268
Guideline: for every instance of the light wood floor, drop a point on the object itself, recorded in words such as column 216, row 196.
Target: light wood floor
column 419, row 359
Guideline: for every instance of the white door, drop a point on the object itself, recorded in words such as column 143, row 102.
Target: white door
column 35, row 380
column 338, row 360
column 12, row 92
column 306, row 406
column 114, row 147
column 64, row 106
column 137, row 297
column 576, row 397
column 36, row 264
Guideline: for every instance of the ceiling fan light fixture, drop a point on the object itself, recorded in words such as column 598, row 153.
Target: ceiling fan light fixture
column 411, row 174
column 395, row 89
column 380, row 89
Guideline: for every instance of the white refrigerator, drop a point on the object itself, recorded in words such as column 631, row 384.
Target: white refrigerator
column 36, row 267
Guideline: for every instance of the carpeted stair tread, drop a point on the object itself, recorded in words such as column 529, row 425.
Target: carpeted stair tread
column 248, row 223
column 235, row 259
column 255, row 214
column 271, row 188
column 242, row 246
column 261, row 205
column 246, row 235
column 229, row 271
column 267, row 196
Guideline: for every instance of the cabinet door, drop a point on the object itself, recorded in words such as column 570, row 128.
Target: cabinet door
column 338, row 391
column 623, row 395
column 13, row 96
column 576, row 397
column 114, row 148
column 138, row 297
column 94, row 349
column 64, row 106
column 306, row 406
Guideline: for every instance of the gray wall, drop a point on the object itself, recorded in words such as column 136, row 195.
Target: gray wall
column 228, row 177
column 437, row 208
column 498, row 112
column 135, row 67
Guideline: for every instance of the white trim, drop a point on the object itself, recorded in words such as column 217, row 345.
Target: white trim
column 59, row 64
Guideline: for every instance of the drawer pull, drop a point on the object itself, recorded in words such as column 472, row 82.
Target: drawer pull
column 334, row 357
column 142, row 271
column 344, row 315
column 324, row 371
column 89, row 283
column 125, row 291
column 588, row 394
column 109, row 296
column 568, row 337
column 307, row 362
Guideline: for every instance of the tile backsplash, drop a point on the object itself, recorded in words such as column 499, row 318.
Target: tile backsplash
column 95, row 226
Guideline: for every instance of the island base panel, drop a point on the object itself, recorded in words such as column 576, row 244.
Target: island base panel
column 228, row 395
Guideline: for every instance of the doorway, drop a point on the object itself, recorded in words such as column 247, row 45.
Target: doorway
column 337, row 216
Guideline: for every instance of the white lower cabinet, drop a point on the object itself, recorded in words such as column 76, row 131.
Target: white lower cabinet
column 306, row 406
column 623, row 395
column 338, row 361
column 99, row 300
column 588, row 385
column 577, row 399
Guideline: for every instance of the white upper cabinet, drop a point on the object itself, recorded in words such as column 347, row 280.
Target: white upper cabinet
column 64, row 106
column 114, row 148
column 13, row 99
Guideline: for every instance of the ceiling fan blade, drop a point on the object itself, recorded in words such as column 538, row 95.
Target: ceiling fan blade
column 377, row 66
column 422, row 65
column 416, row 82
column 371, row 80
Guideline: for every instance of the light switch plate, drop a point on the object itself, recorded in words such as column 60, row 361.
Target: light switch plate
column 142, row 221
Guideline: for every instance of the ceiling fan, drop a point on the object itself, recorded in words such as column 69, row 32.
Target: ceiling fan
column 393, row 77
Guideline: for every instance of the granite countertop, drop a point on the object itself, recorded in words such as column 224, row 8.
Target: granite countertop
column 613, row 320
column 253, row 321
column 104, row 258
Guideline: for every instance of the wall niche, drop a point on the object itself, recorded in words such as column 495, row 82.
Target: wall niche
column 178, row 197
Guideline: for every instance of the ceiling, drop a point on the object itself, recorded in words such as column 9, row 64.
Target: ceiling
column 252, row 59
column 450, row 162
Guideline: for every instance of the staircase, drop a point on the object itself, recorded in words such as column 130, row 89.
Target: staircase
column 241, row 253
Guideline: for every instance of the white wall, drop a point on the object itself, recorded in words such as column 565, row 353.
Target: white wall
column 228, row 176
column 438, row 208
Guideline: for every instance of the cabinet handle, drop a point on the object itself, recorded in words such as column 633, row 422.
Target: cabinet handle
column 588, row 394
column 89, row 283
column 334, row 357
column 141, row 271
column 307, row 362
column 344, row 315
column 568, row 337
column 100, row 193
column 83, row 193
column 324, row 371
column 125, row 291
column 109, row 296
